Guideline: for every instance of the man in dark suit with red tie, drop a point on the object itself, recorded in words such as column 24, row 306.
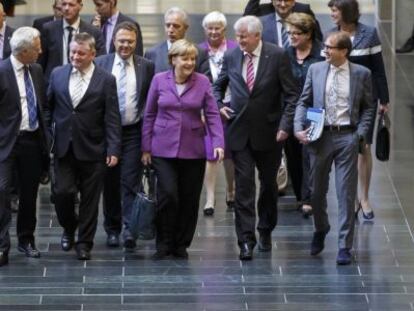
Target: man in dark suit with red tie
column 108, row 18
column 82, row 113
column 57, row 35
column 123, row 180
column 22, row 137
column 259, row 76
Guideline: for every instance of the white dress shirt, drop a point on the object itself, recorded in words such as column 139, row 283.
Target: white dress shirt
column 2, row 37
column 75, row 75
column 131, row 104
column 18, row 69
column 256, row 58
column 75, row 27
column 342, row 106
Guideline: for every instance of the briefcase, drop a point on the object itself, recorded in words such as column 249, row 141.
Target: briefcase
column 382, row 148
column 144, row 208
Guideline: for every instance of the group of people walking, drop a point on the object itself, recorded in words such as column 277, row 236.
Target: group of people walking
column 82, row 92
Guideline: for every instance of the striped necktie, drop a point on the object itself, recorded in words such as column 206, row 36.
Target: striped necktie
column 250, row 72
column 30, row 98
column 122, row 88
column 285, row 36
column 78, row 89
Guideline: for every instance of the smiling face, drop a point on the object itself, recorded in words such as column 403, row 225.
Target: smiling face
column 283, row 7
column 175, row 27
column 184, row 64
column 248, row 42
column 215, row 33
column 336, row 15
column 125, row 42
column 81, row 55
column 297, row 37
column 334, row 55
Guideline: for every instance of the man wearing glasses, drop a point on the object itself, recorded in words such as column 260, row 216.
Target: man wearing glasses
column 274, row 15
column 344, row 90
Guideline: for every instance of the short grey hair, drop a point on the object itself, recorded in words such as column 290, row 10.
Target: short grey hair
column 252, row 23
column 214, row 17
column 178, row 11
column 22, row 39
column 85, row 38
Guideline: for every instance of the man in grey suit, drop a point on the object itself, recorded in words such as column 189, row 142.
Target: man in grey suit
column 123, row 180
column 176, row 25
column 344, row 90
column 260, row 80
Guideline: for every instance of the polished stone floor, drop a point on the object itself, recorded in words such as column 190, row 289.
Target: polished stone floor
column 381, row 277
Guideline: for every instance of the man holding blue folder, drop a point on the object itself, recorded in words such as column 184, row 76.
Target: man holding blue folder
column 343, row 90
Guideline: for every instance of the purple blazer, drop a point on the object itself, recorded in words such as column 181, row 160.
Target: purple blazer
column 172, row 126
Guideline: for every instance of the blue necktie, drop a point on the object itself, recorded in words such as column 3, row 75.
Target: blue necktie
column 285, row 36
column 30, row 98
column 122, row 89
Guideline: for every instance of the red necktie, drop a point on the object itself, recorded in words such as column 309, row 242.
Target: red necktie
column 250, row 72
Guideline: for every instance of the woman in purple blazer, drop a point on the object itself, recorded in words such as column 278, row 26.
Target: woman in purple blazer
column 173, row 142
column 214, row 24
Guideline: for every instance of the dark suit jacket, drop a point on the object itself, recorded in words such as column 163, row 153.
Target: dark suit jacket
column 39, row 22
column 158, row 54
column 139, row 49
column 254, row 7
column 52, row 44
column 144, row 71
column 10, row 107
column 259, row 114
column 94, row 126
column 6, row 44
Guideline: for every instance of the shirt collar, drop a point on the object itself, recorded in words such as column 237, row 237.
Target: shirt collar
column 257, row 50
column 87, row 73
column 343, row 67
column 75, row 25
column 118, row 60
column 3, row 30
column 17, row 65
column 112, row 20
column 278, row 18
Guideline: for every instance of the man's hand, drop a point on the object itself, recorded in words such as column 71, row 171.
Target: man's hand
column 111, row 161
column 302, row 136
column 281, row 136
column 383, row 108
column 146, row 158
column 226, row 112
column 97, row 21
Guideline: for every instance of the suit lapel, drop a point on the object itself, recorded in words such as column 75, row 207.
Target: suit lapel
column 353, row 82
column 359, row 35
column 239, row 59
column 171, row 83
column 14, row 85
column 189, row 84
column 59, row 39
column 164, row 56
column 96, row 77
column 263, row 64
column 138, row 75
column 65, row 83
column 323, row 83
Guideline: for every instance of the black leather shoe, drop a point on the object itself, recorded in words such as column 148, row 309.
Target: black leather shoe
column 4, row 259
column 160, row 254
column 209, row 211
column 129, row 244
column 83, row 254
column 265, row 243
column 318, row 242
column 407, row 47
column 246, row 252
column 230, row 206
column 14, row 204
column 67, row 241
column 344, row 257
column 181, row 253
column 112, row 240
column 29, row 249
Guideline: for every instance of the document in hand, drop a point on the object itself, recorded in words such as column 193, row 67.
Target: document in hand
column 315, row 118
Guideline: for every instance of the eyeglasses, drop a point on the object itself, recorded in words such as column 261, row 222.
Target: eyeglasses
column 331, row 47
column 295, row 33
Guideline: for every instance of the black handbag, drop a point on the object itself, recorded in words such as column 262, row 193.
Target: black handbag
column 382, row 148
column 142, row 222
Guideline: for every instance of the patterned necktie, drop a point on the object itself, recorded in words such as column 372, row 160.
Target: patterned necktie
column 285, row 36
column 332, row 97
column 70, row 33
column 250, row 72
column 78, row 89
column 30, row 98
column 122, row 88
column 1, row 46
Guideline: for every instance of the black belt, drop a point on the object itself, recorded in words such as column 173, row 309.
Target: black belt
column 28, row 133
column 339, row 128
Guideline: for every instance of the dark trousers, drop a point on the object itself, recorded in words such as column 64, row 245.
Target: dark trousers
column 122, row 182
column 25, row 159
column 293, row 150
column 267, row 163
column 179, row 187
column 71, row 176
column 306, row 178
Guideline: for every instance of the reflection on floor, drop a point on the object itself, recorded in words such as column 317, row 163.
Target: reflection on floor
column 382, row 277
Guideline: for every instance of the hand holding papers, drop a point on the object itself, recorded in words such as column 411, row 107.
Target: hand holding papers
column 315, row 117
